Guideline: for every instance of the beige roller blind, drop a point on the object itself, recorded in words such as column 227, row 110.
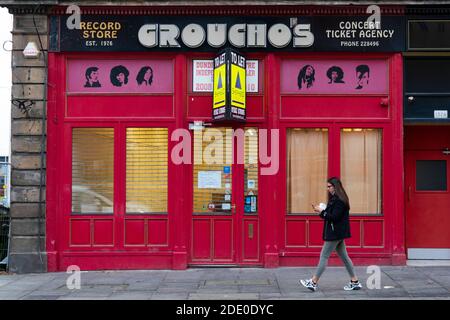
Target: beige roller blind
column 147, row 167
column 361, row 168
column 307, row 168
column 93, row 170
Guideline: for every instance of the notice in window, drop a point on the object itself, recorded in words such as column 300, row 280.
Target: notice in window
column 209, row 179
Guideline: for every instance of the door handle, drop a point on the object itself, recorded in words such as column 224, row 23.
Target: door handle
column 233, row 208
column 409, row 193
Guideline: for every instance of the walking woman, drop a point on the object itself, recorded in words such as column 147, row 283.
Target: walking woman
column 336, row 228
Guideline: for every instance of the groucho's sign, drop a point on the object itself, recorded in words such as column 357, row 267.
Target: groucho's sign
column 210, row 34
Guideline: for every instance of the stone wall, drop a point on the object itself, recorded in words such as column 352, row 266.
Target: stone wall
column 27, row 249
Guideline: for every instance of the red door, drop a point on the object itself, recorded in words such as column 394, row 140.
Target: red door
column 225, row 215
column 427, row 204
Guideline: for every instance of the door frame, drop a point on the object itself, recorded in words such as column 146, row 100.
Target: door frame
column 411, row 156
column 238, row 216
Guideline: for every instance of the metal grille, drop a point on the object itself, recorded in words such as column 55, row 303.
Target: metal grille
column 4, row 236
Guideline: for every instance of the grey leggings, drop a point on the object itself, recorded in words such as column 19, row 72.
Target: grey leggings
column 327, row 249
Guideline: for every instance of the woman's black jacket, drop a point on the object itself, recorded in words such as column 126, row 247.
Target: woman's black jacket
column 336, row 225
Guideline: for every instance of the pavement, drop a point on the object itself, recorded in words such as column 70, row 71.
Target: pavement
column 387, row 282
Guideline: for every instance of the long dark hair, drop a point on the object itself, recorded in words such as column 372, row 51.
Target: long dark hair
column 140, row 77
column 308, row 79
column 115, row 72
column 339, row 190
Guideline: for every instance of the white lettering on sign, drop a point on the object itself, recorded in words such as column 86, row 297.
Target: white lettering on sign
column 203, row 75
column 252, row 76
column 440, row 114
column 238, row 35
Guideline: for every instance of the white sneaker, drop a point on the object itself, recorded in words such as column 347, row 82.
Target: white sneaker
column 353, row 286
column 309, row 284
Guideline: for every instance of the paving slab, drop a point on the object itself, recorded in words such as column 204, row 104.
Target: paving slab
column 12, row 294
column 169, row 296
column 130, row 296
column 403, row 282
column 224, row 296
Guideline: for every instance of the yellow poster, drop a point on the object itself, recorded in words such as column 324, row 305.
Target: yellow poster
column 219, row 99
column 238, row 86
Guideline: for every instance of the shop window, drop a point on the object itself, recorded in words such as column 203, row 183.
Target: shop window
column 429, row 34
column 307, row 168
column 213, row 171
column 431, row 175
column 251, row 171
column 147, row 165
column 361, row 169
column 92, row 170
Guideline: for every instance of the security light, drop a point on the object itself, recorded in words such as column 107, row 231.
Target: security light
column 31, row 50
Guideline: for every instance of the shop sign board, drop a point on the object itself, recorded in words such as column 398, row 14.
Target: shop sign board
column 212, row 33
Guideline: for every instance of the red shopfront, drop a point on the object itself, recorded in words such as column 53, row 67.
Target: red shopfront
column 126, row 188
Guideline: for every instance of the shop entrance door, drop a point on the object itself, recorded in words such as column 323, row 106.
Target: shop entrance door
column 225, row 215
column 427, row 204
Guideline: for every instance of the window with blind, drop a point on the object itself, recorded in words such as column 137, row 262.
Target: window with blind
column 147, row 165
column 361, row 169
column 92, row 170
column 307, row 168
column 212, row 171
column 251, row 171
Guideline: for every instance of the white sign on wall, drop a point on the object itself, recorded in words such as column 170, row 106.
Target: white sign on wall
column 203, row 75
column 203, row 72
column 252, row 75
column 440, row 114
column 209, row 180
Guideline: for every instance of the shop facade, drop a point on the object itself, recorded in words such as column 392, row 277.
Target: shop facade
column 139, row 174
column 141, row 177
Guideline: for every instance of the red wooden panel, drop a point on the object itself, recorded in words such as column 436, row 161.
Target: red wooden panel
column 135, row 232
column 201, row 106
column 120, row 106
column 295, row 233
column 223, row 239
column 426, row 137
column 157, row 232
column 373, row 233
column 315, row 233
column 201, row 239
column 332, row 107
column 255, row 107
column 80, row 232
column 250, row 241
column 355, row 230
column 104, row 232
